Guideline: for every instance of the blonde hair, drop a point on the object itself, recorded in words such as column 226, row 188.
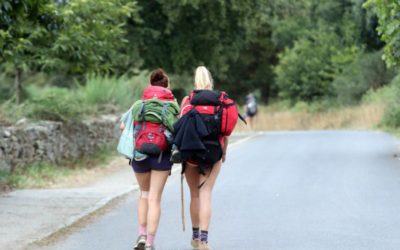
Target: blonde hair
column 203, row 78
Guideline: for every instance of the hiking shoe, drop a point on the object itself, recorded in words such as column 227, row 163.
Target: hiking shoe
column 149, row 248
column 175, row 156
column 140, row 243
column 204, row 246
column 195, row 244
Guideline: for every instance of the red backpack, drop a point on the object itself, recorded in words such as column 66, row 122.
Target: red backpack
column 157, row 92
column 219, row 116
column 215, row 103
column 150, row 137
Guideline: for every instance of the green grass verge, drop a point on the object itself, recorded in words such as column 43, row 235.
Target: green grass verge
column 44, row 175
column 393, row 131
column 99, row 95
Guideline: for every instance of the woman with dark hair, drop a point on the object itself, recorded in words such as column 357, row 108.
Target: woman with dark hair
column 152, row 170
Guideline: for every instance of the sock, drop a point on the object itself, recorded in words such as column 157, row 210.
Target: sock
column 203, row 236
column 196, row 233
column 150, row 239
column 142, row 229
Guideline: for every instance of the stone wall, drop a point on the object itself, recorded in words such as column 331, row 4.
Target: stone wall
column 26, row 144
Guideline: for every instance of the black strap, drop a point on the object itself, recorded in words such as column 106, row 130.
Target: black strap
column 241, row 118
column 204, row 182
column 214, row 142
column 201, row 171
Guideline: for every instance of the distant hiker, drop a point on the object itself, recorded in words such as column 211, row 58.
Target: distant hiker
column 250, row 108
column 153, row 117
column 201, row 134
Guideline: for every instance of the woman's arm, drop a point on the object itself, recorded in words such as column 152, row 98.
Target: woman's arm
column 185, row 102
column 224, row 149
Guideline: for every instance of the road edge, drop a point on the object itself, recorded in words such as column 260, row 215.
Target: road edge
column 74, row 220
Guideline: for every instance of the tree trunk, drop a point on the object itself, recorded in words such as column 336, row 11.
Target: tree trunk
column 18, row 86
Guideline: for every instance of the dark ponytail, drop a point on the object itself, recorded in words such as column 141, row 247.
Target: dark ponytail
column 159, row 78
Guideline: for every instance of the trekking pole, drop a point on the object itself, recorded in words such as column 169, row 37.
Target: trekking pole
column 182, row 204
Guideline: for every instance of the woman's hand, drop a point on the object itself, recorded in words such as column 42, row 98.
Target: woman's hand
column 223, row 157
column 122, row 126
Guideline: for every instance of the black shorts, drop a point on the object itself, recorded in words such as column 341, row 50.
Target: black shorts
column 250, row 114
column 151, row 163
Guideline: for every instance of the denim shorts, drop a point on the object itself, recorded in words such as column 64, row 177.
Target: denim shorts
column 152, row 163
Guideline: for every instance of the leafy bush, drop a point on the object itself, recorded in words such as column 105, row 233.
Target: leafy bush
column 391, row 118
column 306, row 71
column 314, row 107
column 98, row 96
column 112, row 93
column 367, row 72
column 56, row 104
column 379, row 96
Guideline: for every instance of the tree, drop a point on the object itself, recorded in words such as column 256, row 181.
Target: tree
column 92, row 38
column 367, row 72
column 388, row 12
column 304, row 72
column 70, row 37
column 26, row 29
column 178, row 35
column 319, row 40
column 252, row 71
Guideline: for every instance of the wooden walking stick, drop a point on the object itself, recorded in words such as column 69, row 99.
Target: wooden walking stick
column 182, row 204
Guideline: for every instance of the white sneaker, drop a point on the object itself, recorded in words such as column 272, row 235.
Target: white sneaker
column 140, row 243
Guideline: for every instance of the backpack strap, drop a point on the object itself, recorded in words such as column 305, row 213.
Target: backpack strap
column 163, row 114
column 160, row 157
column 141, row 113
column 203, row 173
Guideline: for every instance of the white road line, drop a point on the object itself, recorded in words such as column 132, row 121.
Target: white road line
column 240, row 141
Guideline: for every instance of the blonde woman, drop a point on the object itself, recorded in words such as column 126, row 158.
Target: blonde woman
column 201, row 171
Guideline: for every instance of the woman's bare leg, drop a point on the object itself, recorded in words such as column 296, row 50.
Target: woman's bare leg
column 205, row 195
column 157, row 183
column 193, row 180
column 143, row 180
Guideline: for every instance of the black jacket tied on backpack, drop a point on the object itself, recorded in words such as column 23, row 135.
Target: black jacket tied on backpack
column 197, row 133
column 190, row 130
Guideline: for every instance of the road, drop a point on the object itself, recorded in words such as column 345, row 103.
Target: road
column 285, row 190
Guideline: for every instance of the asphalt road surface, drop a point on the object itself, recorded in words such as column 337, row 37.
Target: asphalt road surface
column 286, row 190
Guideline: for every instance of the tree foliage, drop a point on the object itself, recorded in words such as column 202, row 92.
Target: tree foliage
column 181, row 34
column 69, row 37
column 319, row 40
column 306, row 70
column 27, row 29
column 388, row 12
column 301, row 50
column 91, row 38
column 366, row 72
